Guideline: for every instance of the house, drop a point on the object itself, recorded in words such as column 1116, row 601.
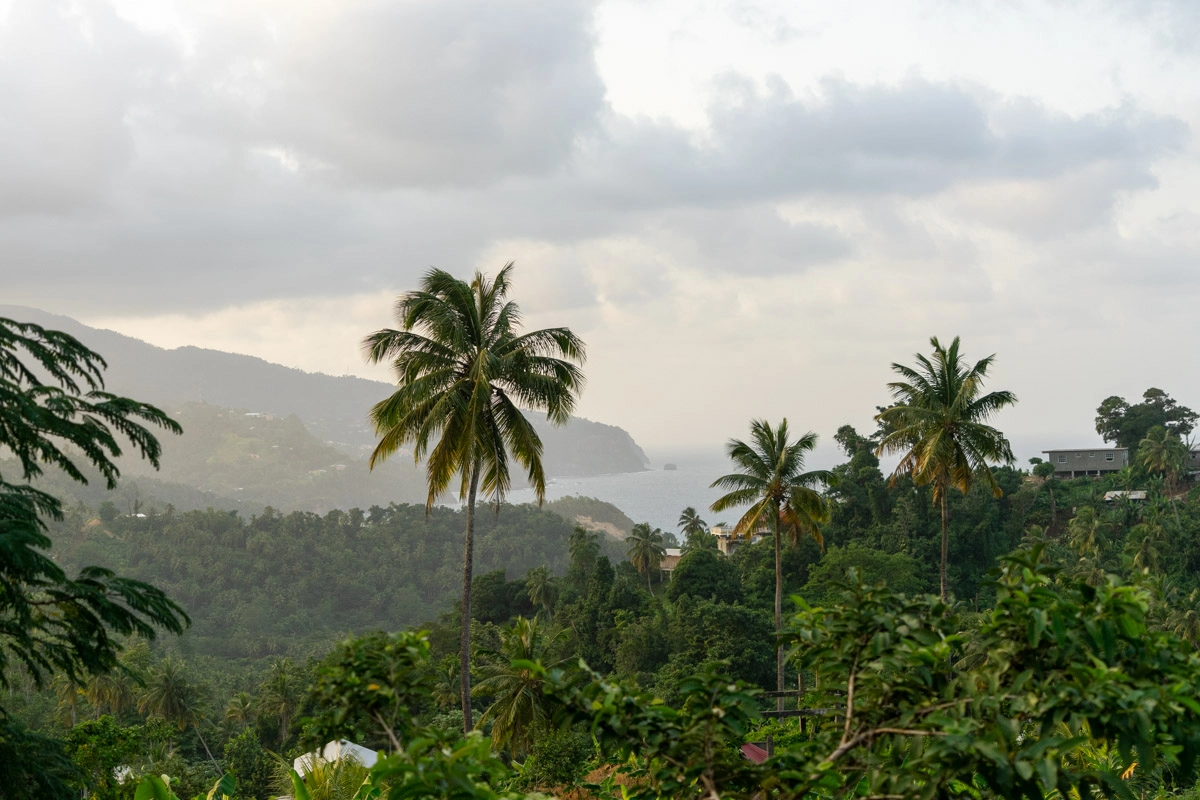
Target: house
column 1091, row 461
column 670, row 560
column 727, row 542
column 335, row 751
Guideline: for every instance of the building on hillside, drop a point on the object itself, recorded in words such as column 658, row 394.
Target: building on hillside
column 1121, row 494
column 727, row 543
column 670, row 560
column 1088, row 462
column 334, row 751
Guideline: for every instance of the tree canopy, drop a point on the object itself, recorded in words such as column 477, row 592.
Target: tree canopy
column 1125, row 424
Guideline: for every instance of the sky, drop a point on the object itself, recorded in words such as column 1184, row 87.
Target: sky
column 747, row 209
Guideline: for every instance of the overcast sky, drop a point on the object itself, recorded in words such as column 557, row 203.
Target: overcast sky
column 747, row 209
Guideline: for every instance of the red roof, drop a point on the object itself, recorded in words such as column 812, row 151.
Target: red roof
column 754, row 753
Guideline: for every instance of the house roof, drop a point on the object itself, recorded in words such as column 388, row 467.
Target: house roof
column 754, row 753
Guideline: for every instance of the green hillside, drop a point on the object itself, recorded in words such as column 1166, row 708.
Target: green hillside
column 286, row 584
column 262, row 460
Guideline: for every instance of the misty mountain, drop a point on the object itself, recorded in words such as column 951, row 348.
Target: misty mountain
column 333, row 409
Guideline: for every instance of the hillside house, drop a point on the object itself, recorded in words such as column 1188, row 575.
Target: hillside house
column 1087, row 462
column 670, row 560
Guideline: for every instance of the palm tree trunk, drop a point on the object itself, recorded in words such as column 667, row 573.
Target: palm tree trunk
column 464, row 656
column 778, row 615
column 1053, row 507
column 945, row 541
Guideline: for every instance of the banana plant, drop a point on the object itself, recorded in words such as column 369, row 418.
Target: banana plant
column 154, row 787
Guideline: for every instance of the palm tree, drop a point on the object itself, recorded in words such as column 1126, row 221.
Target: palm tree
column 170, row 695
column 281, row 694
column 646, row 550
column 541, row 586
column 519, row 706
column 690, row 523
column 695, row 531
column 938, row 423
column 464, row 372
column 112, row 692
column 781, row 495
column 1163, row 452
column 240, row 710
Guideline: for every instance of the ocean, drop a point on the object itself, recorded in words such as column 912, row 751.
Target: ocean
column 656, row 496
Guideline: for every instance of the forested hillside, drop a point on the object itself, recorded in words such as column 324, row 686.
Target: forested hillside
column 278, row 584
column 333, row 409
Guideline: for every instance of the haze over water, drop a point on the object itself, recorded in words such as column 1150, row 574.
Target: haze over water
column 655, row 496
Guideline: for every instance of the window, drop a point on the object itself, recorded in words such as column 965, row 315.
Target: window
column 1108, row 456
column 1091, row 455
column 1079, row 455
column 1062, row 458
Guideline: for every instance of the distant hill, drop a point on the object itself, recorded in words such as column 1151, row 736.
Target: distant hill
column 333, row 409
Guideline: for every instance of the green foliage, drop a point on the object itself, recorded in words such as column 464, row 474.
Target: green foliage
column 683, row 750
column 1127, row 425
column 1050, row 657
column 705, row 573
column 519, row 707
column 250, row 765
column 367, row 688
column 98, row 748
column 154, row 787
column 898, row 571
column 55, row 412
column 560, row 758
column 33, row 766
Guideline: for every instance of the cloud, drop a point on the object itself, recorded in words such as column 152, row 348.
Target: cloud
column 436, row 94
column 68, row 75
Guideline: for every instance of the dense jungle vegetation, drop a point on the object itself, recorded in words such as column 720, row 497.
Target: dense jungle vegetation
column 269, row 596
column 1059, row 657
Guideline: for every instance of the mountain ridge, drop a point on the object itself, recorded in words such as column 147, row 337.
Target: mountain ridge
column 333, row 408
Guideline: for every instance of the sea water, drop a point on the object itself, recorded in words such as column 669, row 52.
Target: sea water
column 656, row 496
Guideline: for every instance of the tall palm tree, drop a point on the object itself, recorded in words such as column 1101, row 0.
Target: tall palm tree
column 543, row 591
column 938, row 423
column 240, row 710
column 519, row 706
column 690, row 523
column 646, row 550
column 1164, row 453
column 464, row 372
column 171, row 695
column 783, row 498
column 280, row 695
column 112, row 692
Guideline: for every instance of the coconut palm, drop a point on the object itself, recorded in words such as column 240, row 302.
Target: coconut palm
column 938, row 424
column 464, row 372
column 280, row 694
column 782, row 498
column 646, row 550
column 112, row 692
column 1163, row 453
column 240, row 709
column 543, row 591
column 171, row 695
column 690, row 523
column 519, row 706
